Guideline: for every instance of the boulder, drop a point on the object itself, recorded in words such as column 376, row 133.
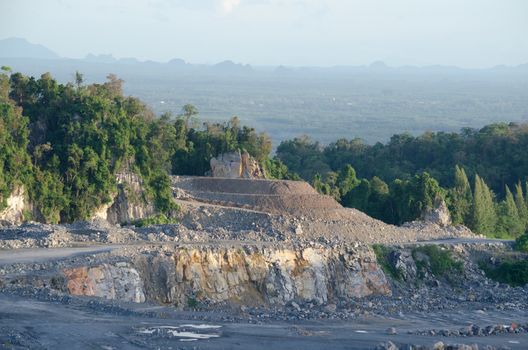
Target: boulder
column 119, row 281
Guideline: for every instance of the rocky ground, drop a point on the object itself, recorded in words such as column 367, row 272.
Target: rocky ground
column 244, row 273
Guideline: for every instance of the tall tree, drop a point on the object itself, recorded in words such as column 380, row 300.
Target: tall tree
column 421, row 194
column 318, row 183
column 347, row 180
column 483, row 215
column 188, row 112
column 379, row 205
column 460, row 197
column 526, row 191
column 358, row 197
column 520, row 202
column 509, row 223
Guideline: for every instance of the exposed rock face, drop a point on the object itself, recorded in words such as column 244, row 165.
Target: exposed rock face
column 439, row 214
column 250, row 167
column 235, row 165
column 129, row 204
column 101, row 213
column 226, row 165
column 404, row 263
column 16, row 204
column 255, row 276
column 106, row 281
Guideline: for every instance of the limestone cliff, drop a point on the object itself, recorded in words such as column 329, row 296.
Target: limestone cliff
column 247, row 275
column 16, row 205
column 128, row 204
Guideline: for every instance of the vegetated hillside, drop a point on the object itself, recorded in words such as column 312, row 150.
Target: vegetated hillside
column 409, row 173
column 65, row 143
column 496, row 152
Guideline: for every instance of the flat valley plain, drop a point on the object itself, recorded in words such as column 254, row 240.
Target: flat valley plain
column 371, row 102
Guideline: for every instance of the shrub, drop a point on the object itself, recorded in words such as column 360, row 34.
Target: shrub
column 440, row 261
column 514, row 273
column 521, row 243
column 192, row 303
column 382, row 256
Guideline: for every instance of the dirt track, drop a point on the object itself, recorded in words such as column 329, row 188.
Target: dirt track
column 36, row 255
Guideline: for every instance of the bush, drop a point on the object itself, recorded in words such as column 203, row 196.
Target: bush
column 382, row 256
column 440, row 261
column 192, row 303
column 514, row 273
column 521, row 243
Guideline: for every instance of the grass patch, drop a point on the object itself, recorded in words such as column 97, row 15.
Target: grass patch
column 382, row 256
column 159, row 219
column 513, row 273
column 440, row 262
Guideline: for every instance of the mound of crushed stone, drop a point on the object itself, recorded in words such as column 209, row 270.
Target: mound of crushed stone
column 242, row 186
column 269, row 196
column 288, row 210
column 213, row 209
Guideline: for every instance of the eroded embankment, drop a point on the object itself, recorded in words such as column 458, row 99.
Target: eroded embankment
column 247, row 275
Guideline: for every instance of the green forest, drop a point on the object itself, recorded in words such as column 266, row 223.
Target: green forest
column 480, row 174
column 65, row 143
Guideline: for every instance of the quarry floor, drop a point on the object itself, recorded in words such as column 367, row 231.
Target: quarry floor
column 27, row 322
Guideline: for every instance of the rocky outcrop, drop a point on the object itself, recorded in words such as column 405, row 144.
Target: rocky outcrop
column 16, row 204
column 245, row 275
column 404, row 263
column 439, row 214
column 119, row 282
column 129, row 203
column 235, row 165
column 253, row 275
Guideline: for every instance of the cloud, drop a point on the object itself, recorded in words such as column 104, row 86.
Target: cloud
column 229, row 5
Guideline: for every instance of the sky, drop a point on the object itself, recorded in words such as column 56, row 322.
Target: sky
column 465, row 33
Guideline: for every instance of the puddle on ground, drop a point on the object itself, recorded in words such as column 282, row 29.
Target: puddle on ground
column 182, row 332
column 201, row 326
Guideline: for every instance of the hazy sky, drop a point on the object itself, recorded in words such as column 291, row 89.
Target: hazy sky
column 467, row 33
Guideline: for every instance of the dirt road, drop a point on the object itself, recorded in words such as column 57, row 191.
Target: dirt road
column 46, row 254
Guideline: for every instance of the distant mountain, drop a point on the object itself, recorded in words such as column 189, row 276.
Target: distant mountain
column 177, row 62
column 378, row 65
column 231, row 67
column 21, row 48
column 128, row 60
column 100, row 58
